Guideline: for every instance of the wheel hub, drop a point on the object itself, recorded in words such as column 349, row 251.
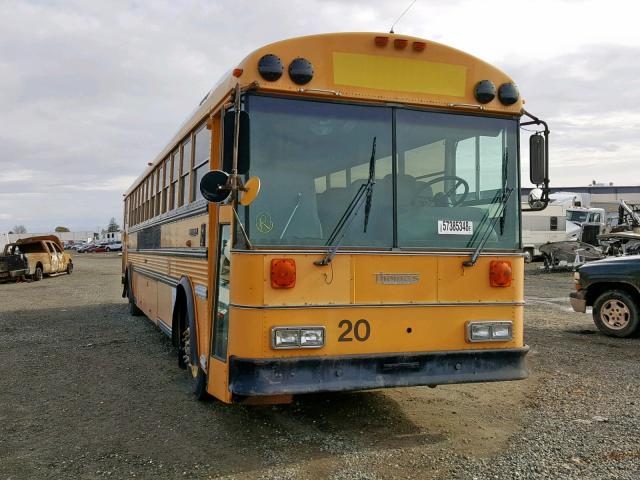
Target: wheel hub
column 615, row 314
column 186, row 352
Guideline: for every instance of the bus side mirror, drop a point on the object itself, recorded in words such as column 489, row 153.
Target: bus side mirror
column 537, row 159
column 243, row 142
column 214, row 186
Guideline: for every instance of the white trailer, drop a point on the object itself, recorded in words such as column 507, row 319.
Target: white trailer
column 554, row 223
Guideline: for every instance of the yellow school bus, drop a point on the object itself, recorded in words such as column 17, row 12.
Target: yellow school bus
column 341, row 212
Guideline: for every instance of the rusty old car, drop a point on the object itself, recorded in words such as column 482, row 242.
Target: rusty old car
column 44, row 254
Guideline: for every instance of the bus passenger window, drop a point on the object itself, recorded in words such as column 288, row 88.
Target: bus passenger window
column 201, row 160
column 158, row 187
column 173, row 203
column 186, row 166
column 166, row 169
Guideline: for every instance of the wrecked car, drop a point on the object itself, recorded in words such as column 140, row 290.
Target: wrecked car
column 44, row 256
column 13, row 266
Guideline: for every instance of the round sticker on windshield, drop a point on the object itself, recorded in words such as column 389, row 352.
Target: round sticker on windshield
column 264, row 223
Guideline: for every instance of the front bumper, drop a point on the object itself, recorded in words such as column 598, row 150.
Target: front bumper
column 287, row 376
column 578, row 301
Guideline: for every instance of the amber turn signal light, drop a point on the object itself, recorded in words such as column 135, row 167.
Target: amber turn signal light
column 419, row 46
column 500, row 273
column 283, row 273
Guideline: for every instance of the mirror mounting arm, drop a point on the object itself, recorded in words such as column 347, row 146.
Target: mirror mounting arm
column 544, row 200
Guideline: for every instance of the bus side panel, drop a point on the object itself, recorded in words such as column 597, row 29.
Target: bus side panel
column 146, row 294
column 248, row 273
column 247, row 336
column 314, row 284
column 203, row 324
column 183, row 233
column 165, row 304
column 374, row 279
column 218, row 384
column 472, row 284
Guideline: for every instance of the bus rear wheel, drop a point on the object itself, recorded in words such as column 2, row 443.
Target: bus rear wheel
column 134, row 311
column 528, row 255
column 196, row 374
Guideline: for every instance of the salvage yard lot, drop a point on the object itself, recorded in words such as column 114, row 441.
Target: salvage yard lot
column 86, row 391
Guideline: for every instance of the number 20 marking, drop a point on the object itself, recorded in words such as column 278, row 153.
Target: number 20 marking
column 361, row 330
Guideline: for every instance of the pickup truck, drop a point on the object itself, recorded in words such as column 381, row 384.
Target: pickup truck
column 44, row 255
column 612, row 287
column 13, row 266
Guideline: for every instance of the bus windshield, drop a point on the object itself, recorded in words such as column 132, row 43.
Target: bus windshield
column 442, row 191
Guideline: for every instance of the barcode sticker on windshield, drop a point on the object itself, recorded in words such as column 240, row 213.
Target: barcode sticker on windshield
column 455, row 227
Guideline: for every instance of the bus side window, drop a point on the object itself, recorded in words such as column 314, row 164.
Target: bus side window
column 221, row 309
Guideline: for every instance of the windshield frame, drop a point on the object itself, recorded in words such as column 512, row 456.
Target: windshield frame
column 394, row 108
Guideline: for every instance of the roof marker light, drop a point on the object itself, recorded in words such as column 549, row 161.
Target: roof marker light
column 381, row 41
column 400, row 43
column 237, row 72
column 419, row 46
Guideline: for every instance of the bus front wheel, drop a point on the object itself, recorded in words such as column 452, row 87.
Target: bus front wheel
column 196, row 375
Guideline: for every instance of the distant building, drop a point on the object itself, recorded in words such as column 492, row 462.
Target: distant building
column 111, row 237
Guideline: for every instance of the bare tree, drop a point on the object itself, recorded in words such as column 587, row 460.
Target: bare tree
column 113, row 226
column 19, row 229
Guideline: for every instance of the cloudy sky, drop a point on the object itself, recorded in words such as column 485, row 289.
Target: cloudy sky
column 91, row 90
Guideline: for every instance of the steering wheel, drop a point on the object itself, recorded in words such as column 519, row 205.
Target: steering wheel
column 443, row 199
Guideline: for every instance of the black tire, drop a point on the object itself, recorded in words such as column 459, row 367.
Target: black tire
column 615, row 313
column 197, row 377
column 528, row 255
column 134, row 311
column 199, row 385
column 69, row 268
column 38, row 274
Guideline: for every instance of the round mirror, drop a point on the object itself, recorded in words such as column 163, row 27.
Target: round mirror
column 252, row 189
column 535, row 198
column 213, row 186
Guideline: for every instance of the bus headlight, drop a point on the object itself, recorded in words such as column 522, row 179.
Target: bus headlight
column 297, row 337
column 496, row 331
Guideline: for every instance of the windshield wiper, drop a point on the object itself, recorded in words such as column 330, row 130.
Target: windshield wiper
column 362, row 196
column 503, row 197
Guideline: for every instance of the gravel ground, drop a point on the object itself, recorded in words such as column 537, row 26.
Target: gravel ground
column 88, row 392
